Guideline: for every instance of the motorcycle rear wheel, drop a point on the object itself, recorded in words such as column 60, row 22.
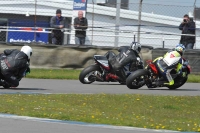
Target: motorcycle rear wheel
column 6, row 87
column 176, row 85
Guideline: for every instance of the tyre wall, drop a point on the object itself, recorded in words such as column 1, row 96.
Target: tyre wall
column 68, row 56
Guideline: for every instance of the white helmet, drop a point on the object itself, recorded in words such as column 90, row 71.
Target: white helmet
column 136, row 47
column 27, row 50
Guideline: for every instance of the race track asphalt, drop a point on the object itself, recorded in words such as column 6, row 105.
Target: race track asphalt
column 17, row 124
column 74, row 86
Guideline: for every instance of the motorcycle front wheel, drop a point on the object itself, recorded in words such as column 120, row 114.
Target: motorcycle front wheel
column 87, row 75
column 136, row 79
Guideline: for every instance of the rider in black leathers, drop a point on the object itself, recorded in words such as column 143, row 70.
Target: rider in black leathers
column 127, row 54
column 14, row 65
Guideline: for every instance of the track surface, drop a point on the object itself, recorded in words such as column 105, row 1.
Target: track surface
column 74, row 86
column 10, row 124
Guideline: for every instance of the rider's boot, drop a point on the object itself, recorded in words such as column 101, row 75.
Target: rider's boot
column 164, row 83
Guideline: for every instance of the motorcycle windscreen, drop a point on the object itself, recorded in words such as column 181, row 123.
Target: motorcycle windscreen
column 102, row 60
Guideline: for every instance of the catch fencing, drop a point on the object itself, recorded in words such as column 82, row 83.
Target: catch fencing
column 28, row 21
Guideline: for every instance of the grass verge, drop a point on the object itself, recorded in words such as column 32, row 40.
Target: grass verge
column 179, row 113
column 74, row 74
column 54, row 74
column 194, row 78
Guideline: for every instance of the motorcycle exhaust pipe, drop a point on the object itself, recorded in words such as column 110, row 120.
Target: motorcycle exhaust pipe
column 98, row 76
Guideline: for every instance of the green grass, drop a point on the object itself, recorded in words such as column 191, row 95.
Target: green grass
column 194, row 78
column 179, row 113
column 54, row 74
column 74, row 74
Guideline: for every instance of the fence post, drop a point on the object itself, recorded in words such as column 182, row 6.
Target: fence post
column 163, row 42
column 139, row 21
column 35, row 20
column 133, row 36
column 194, row 17
column 117, row 23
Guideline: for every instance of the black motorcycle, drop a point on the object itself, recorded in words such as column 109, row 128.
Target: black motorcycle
column 102, row 71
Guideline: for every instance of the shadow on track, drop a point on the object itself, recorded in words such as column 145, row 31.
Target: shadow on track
column 22, row 89
column 108, row 84
column 174, row 90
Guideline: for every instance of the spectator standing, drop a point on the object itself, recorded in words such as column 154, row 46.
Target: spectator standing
column 80, row 24
column 57, row 22
column 187, row 27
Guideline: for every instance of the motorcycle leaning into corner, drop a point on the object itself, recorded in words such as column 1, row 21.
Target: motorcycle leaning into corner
column 151, row 75
column 103, row 71
column 8, row 86
column 14, row 66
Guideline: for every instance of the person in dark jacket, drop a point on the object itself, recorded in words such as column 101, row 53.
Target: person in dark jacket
column 57, row 22
column 187, row 27
column 14, row 66
column 80, row 24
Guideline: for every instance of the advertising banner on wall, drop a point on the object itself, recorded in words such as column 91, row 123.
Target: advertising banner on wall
column 24, row 31
column 79, row 5
column 27, row 35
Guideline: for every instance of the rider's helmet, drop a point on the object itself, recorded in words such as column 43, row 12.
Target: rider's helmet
column 27, row 50
column 136, row 47
column 180, row 48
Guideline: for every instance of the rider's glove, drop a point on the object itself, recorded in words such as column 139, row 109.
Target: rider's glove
column 141, row 63
column 28, row 70
column 180, row 72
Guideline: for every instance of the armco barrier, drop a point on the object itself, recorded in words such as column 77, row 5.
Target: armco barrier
column 67, row 56
column 192, row 55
